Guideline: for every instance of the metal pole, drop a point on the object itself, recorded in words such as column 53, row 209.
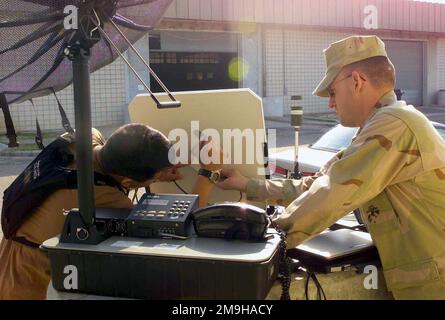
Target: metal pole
column 170, row 104
column 84, row 152
column 296, row 123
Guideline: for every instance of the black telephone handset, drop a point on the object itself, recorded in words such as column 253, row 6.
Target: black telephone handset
column 231, row 220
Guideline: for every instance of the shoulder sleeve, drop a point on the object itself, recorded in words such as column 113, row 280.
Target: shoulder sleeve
column 97, row 138
column 280, row 191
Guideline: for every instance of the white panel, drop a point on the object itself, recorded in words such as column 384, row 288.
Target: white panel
column 393, row 14
column 194, row 9
column 278, row 11
column 205, row 9
column 442, row 18
column 324, row 4
column 268, row 10
column 412, row 16
column 182, row 9
column 238, row 10
column 259, row 10
column 213, row 109
column 217, row 9
column 288, row 12
column 357, row 13
column 227, row 10
column 437, row 18
column 406, row 15
column 297, row 11
column 249, row 10
column 441, row 63
column 171, row 11
column 430, row 14
column 341, row 8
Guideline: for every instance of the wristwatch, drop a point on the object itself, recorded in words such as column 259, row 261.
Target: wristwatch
column 212, row 175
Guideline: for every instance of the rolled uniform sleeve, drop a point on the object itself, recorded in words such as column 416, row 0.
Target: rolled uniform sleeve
column 371, row 163
column 284, row 191
column 279, row 191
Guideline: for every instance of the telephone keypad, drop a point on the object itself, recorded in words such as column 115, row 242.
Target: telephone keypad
column 157, row 212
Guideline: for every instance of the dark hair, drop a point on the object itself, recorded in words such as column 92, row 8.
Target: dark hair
column 135, row 151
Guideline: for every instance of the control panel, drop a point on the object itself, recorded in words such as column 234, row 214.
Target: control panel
column 158, row 215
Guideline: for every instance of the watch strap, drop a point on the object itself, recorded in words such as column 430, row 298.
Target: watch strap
column 205, row 173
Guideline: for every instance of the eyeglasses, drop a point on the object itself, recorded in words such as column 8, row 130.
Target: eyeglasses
column 331, row 91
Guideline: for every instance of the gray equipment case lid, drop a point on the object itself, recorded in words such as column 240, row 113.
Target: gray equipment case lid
column 191, row 248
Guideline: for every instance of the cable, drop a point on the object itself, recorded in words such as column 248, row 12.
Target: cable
column 306, row 286
column 183, row 191
column 319, row 287
column 320, row 291
column 135, row 196
column 285, row 263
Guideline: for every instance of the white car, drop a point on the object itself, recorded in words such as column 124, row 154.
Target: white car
column 312, row 157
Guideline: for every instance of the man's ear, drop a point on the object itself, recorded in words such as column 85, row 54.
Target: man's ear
column 358, row 81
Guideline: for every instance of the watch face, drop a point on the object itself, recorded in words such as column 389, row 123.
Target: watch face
column 214, row 177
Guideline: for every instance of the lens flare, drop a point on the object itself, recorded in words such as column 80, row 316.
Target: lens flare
column 238, row 69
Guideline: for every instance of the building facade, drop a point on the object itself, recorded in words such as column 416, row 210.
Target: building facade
column 274, row 47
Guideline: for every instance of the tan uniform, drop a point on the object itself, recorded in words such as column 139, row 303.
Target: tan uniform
column 24, row 271
column 395, row 172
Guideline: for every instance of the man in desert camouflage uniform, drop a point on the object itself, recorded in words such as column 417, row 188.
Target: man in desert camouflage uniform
column 394, row 170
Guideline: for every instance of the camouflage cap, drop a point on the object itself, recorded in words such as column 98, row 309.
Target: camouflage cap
column 347, row 51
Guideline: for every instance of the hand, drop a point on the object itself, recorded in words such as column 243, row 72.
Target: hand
column 233, row 180
column 213, row 155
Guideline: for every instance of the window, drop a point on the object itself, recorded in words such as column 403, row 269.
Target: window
column 154, row 41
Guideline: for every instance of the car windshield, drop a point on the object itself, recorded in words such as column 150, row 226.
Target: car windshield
column 340, row 137
column 335, row 139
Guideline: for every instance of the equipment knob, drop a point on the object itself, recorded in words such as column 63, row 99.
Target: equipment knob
column 82, row 234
